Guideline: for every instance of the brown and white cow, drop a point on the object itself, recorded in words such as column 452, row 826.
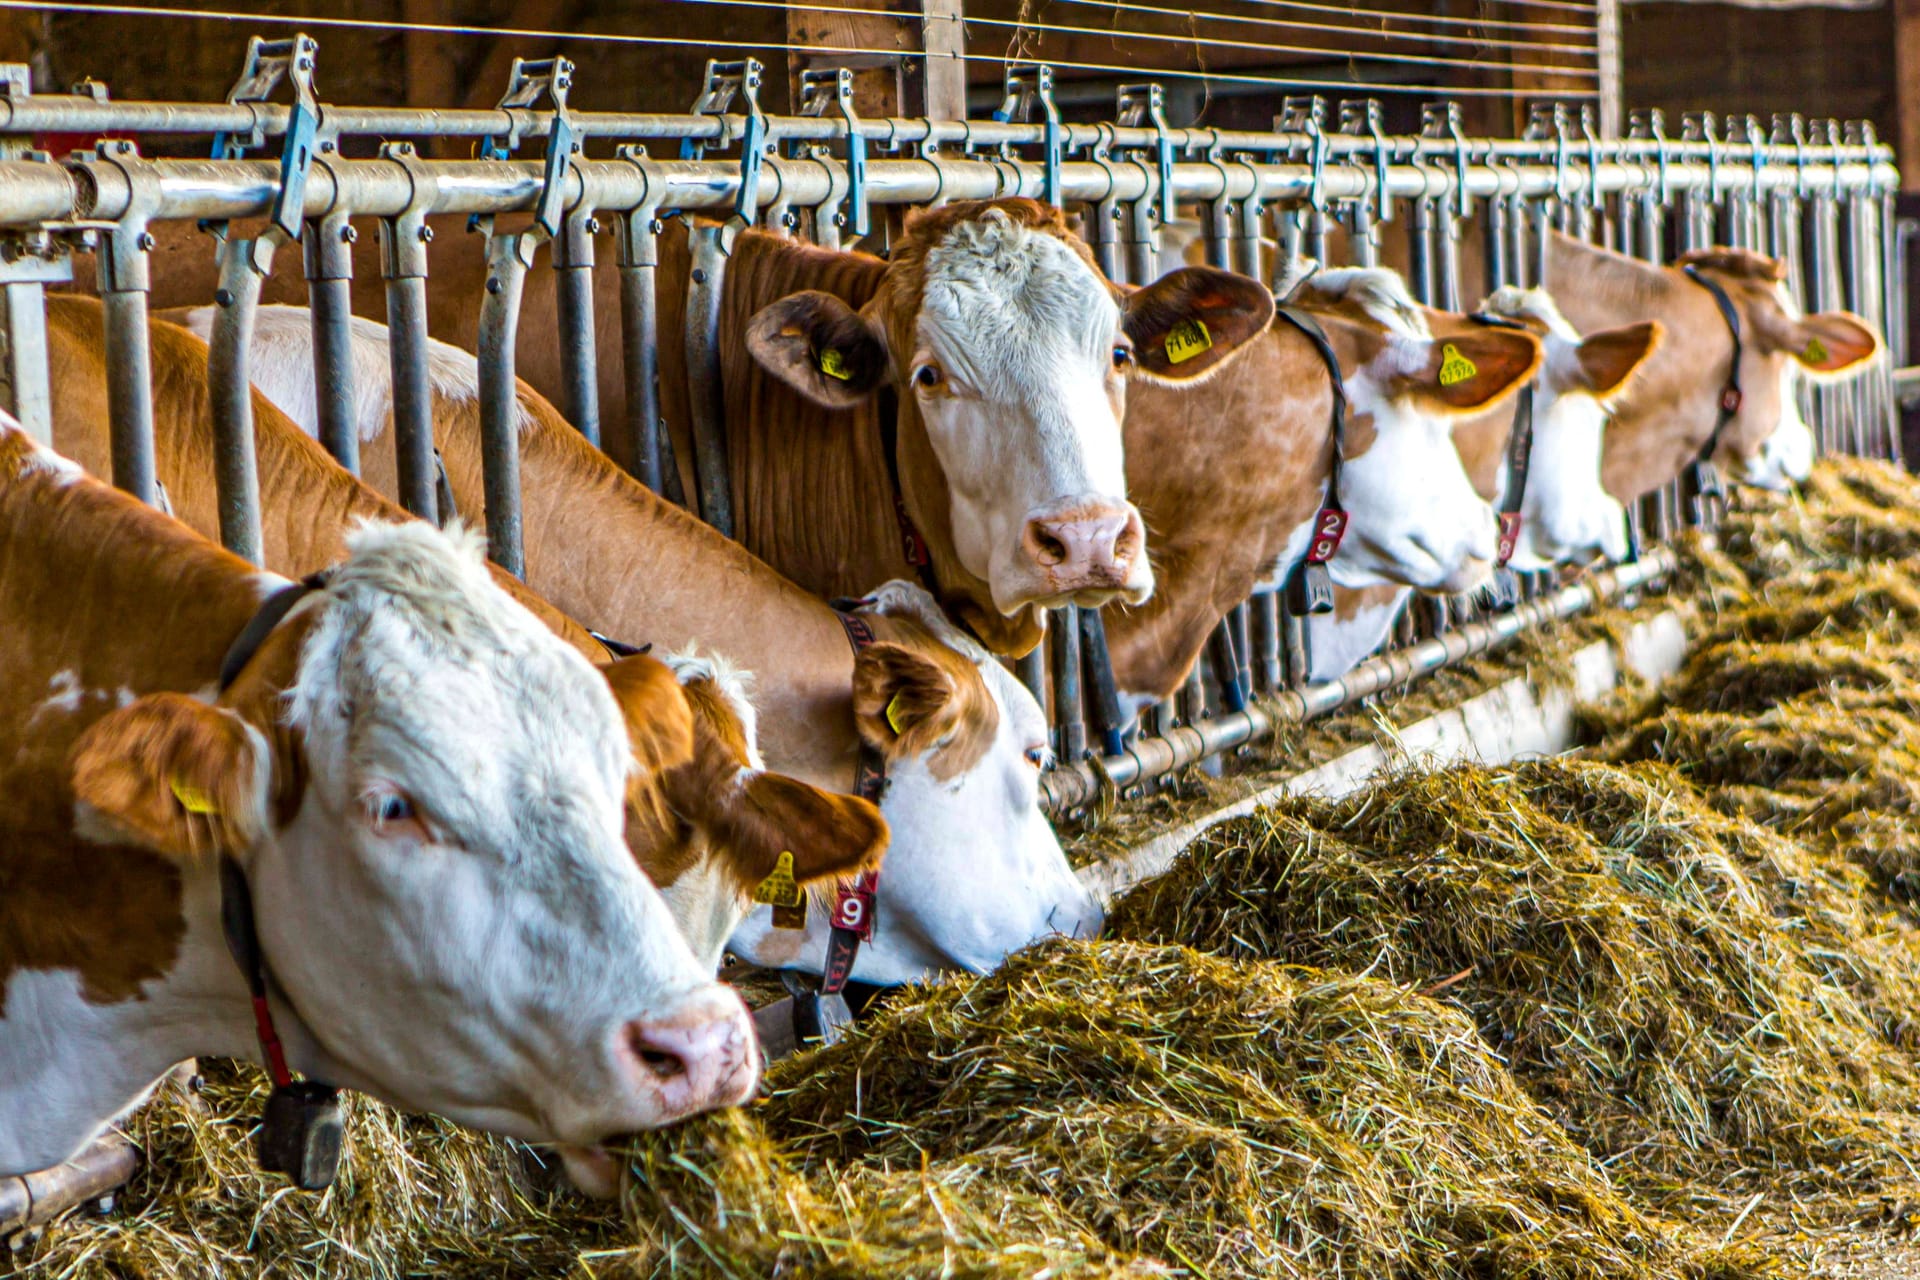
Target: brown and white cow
column 1668, row 414
column 705, row 819
column 422, row 787
column 974, row 870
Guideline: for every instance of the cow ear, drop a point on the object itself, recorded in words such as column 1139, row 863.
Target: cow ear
column 1832, row 342
column 176, row 775
column 1467, row 372
column 654, row 706
column 903, row 700
column 1608, row 357
column 1187, row 322
column 819, row 346
column 827, row 835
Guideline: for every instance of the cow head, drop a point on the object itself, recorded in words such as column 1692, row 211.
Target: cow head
column 1009, row 354
column 1415, row 516
column 424, row 788
column 1567, row 515
column 713, row 829
column 974, row 871
column 1768, row 444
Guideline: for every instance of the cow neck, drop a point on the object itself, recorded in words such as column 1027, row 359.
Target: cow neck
column 1310, row 583
column 1519, row 449
column 301, row 1131
column 1706, row 478
column 620, row 559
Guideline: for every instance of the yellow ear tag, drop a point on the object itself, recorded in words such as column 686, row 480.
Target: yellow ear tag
column 1187, row 340
column 895, row 714
column 1455, row 367
column 1816, row 352
column 834, row 365
column 192, row 799
column 779, row 889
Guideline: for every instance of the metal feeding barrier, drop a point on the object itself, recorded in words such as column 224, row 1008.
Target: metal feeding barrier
column 1815, row 193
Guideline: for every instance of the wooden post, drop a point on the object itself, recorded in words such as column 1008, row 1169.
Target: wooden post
column 1906, row 80
column 944, row 38
column 1607, row 50
column 877, row 87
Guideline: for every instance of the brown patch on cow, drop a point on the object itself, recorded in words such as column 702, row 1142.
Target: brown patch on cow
column 1349, row 602
column 110, row 914
column 1362, row 431
column 175, row 774
column 914, row 696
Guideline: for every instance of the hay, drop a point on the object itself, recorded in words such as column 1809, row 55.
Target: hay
column 1707, row 1008
column 1239, row 1119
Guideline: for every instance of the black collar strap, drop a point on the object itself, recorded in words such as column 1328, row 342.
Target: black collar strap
column 913, row 546
column 1310, row 585
column 1706, row 478
column 853, row 903
column 302, row 1132
column 1519, row 449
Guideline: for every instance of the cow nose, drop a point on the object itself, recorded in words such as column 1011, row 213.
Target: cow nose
column 1096, row 547
column 701, row 1057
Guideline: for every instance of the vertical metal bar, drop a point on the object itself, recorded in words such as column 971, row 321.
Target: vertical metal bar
column 508, row 257
column 637, row 448
column 1446, row 259
column 129, row 389
column 1362, row 247
column 1517, row 219
column 327, row 249
column 1063, row 657
column 1494, row 229
column 28, row 390
column 1032, row 670
column 236, row 474
column 573, row 307
column 1099, row 693
column 1264, row 641
column 1420, row 250
column 412, row 395
column 703, row 375
column 1240, row 623
column 1225, row 665
column 1142, row 245
column 1293, row 644
column 1653, row 232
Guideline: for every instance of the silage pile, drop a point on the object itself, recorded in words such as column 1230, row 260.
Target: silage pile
column 1800, row 706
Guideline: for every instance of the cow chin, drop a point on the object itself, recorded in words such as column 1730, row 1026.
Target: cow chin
column 1470, row 575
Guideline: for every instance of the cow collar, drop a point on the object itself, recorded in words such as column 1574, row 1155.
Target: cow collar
column 302, row 1131
column 1310, row 585
column 853, row 902
column 1706, row 477
column 1519, row 464
column 913, row 545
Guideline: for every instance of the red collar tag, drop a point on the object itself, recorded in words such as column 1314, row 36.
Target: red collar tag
column 911, row 543
column 1509, row 534
column 853, row 904
column 1328, row 528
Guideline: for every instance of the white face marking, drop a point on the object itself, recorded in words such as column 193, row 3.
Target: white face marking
column 1021, row 332
column 1338, row 645
column 1786, row 456
column 504, row 916
column 974, row 871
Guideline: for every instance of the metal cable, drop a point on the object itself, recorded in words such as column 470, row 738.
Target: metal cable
column 1429, row 37
column 437, row 28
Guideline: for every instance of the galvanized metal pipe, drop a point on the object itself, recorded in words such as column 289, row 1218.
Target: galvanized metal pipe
column 1063, row 661
column 329, row 266
column 236, row 475
column 412, row 396
column 33, row 1199
column 130, row 392
column 1068, row 789
column 25, row 387
column 573, row 304
column 508, row 258
column 704, row 394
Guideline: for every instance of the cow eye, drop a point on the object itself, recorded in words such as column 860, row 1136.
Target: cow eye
column 928, row 375
column 1122, row 357
column 1039, row 757
column 390, row 808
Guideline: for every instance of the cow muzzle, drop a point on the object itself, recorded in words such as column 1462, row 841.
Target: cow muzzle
column 1086, row 552
column 702, row 1057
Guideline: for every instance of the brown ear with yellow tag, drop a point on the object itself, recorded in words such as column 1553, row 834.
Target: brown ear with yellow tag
column 191, row 798
column 1190, row 321
column 781, row 891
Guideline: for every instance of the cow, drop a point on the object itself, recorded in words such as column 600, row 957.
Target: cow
column 974, row 870
column 1230, row 472
column 1567, row 515
column 1670, row 412
column 706, row 820
column 419, row 787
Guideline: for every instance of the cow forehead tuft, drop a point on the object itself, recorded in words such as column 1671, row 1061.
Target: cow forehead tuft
column 1377, row 291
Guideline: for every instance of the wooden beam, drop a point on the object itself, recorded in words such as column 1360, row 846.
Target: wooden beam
column 877, row 84
column 944, row 39
column 489, row 80
column 1906, row 80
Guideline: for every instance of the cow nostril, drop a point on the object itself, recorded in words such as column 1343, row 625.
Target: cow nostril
column 662, row 1063
column 1048, row 547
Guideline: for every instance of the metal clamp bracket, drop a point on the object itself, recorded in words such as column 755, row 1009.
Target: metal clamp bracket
column 1547, row 121
column 404, row 237
column 1025, row 86
column 723, row 81
column 1757, row 150
column 267, row 63
column 1698, row 126
column 1146, row 104
column 1859, row 133
column 1649, row 124
column 832, row 88
column 1589, row 130
column 1446, row 120
column 526, row 82
column 1366, row 115
column 1306, row 114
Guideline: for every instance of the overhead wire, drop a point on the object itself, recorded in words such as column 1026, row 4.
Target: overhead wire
column 631, row 38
